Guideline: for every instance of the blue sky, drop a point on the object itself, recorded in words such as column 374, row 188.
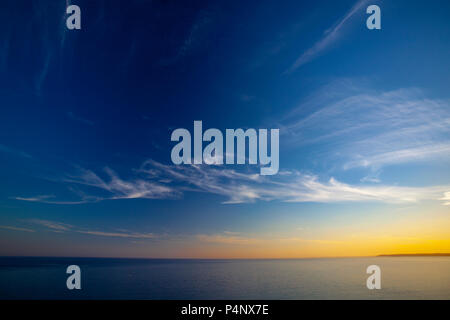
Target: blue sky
column 86, row 118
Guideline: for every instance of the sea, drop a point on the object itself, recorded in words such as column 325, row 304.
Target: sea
column 325, row 278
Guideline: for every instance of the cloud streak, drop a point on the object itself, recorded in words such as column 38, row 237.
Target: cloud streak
column 196, row 31
column 72, row 116
column 60, row 227
column 226, row 238
column 160, row 181
column 132, row 235
column 290, row 187
column 446, row 199
column 402, row 156
column 364, row 128
column 330, row 36
column 52, row 225
column 48, row 199
column 14, row 152
column 349, row 126
column 236, row 238
column 123, row 189
column 16, row 228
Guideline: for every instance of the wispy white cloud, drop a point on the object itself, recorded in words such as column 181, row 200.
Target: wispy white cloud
column 49, row 199
column 247, row 98
column 359, row 127
column 294, row 187
column 52, row 51
column 446, row 199
column 42, row 75
column 226, row 238
column 348, row 126
column 133, row 235
column 373, row 177
column 34, row 199
column 245, row 239
column 60, row 227
column 203, row 19
column 112, row 188
column 330, row 36
column 74, row 117
column 203, row 178
column 16, row 228
column 191, row 40
column 402, row 156
column 318, row 241
column 14, row 152
column 160, row 181
column 52, row 225
column 123, row 189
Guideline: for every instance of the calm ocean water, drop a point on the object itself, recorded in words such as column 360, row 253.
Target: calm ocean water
column 345, row 278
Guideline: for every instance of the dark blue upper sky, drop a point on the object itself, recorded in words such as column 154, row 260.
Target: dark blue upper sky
column 86, row 117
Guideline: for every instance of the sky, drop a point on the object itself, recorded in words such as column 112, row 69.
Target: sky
column 86, row 118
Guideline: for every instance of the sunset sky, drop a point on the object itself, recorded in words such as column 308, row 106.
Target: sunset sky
column 86, row 117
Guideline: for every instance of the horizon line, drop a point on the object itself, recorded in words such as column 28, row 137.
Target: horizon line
column 443, row 254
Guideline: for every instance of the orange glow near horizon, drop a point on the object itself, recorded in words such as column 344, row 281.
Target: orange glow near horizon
column 407, row 235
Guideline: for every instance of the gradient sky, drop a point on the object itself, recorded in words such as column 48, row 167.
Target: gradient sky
column 86, row 118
